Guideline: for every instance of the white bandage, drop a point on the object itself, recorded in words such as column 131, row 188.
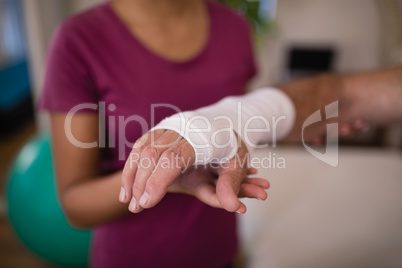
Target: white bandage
column 262, row 116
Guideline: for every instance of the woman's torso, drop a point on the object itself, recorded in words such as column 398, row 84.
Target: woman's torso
column 135, row 89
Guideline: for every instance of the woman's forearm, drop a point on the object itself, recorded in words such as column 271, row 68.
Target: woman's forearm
column 92, row 202
column 87, row 197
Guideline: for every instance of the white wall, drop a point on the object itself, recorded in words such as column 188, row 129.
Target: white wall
column 317, row 216
column 41, row 19
column 78, row 5
column 40, row 24
column 352, row 27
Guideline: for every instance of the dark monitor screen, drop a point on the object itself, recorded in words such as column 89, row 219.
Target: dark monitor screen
column 311, row 59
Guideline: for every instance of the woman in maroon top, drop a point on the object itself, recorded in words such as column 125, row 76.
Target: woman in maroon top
column 112, row 73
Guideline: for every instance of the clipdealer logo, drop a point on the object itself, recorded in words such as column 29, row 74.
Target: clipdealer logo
column 331, row 155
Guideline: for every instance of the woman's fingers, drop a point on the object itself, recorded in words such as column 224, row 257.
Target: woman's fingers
column 352, row 129
column 231, row 176
column 206, row 193
column 201, row 183
column 252, row 191
column 242, row 209
column 262, row 183
column 359, row 124
column 252, row 171
column 346, row 130
column 227, row 189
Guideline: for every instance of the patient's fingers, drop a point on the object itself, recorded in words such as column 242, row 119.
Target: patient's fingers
column 178, row 159
column 149, row 159
column 131, row 165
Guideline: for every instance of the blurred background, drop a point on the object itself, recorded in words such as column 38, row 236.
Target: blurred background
column 316, row 216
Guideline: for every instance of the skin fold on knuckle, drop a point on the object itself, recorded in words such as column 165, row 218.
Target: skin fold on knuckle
column 186, row 147
column 172, row 154
column 140, row 143
column 156, row 187
column 137, row 188
column 125, row 175
column 150, row 151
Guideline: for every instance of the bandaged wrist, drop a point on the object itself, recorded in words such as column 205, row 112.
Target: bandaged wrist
column 262, row 116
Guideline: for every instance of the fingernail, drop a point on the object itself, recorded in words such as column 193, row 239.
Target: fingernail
column 239, row 212
column 122, row 195
column 133, row 205
column 144, row 199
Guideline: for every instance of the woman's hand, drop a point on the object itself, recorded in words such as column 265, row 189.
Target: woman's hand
column 157, row 162
column 201, row 182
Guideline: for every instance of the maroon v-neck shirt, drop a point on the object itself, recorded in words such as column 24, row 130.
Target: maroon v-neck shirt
column 95, row 60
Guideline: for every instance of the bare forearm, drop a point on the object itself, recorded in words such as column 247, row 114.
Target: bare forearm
column 88, row 198
column 310, row 95
column 92, row 202
column 376, row 96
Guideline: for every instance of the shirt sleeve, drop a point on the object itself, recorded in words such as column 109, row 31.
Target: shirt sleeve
column 68, row 81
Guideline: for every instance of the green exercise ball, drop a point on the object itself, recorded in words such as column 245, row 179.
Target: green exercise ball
column 34, row 210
